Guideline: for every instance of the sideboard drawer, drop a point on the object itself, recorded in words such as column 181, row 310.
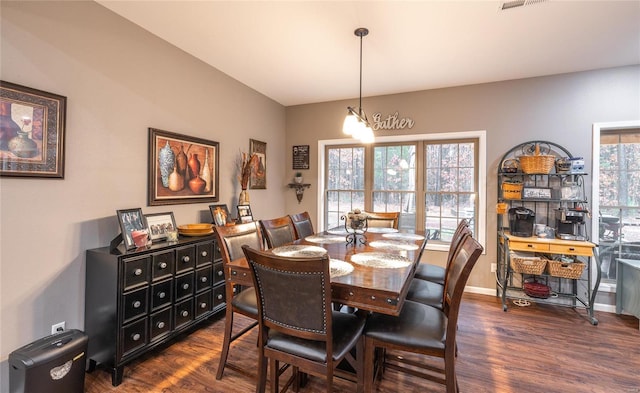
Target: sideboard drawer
column 163, row 264
column 136, row 272
column 183, row 313
column 204, row 303
column 571, row 250
column 134, row 336
column 161, row 294
column 160, row 324
column 134, row 304
column 204, row 278
column 204, row 253
column 528, row 246
column 185, row 259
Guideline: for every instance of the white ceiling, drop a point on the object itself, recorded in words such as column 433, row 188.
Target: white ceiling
column 299, row 52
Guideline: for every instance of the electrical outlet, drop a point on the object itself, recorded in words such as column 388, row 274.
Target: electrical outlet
column 58, row 327
column 494, row 267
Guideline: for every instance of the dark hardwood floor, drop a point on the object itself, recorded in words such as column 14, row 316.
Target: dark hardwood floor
column 530, row 349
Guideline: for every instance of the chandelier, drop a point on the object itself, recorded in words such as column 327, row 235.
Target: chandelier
column 356, row 123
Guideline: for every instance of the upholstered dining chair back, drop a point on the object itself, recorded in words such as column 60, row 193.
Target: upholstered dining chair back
column 303, row 225
column 458, row 272
column 232, row 238
column 297, row 323
column 383, row 219
column 278, row 231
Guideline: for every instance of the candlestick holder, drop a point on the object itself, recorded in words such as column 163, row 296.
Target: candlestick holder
column 356, row 229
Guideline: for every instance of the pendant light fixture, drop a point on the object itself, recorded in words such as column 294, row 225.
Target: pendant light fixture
column 356, row 123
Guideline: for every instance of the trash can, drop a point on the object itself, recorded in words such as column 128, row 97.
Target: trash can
column 52, row 364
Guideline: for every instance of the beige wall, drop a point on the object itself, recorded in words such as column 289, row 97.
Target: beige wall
column 559, row 108
column 119, row 80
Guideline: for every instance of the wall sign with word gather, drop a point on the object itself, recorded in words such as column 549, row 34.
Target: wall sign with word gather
column 391, row 122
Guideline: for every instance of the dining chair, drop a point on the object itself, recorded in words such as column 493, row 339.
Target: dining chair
column 432, row 293
column 422, row 329
column 296, row 321
column 230, row 240
column 383, row 219
column 302, row 224
column 435, row 273
column 278, row 231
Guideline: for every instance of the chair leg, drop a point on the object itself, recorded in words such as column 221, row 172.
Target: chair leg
column 262, row 373
column 226, row 342
column 273, row 372
column 450, row 372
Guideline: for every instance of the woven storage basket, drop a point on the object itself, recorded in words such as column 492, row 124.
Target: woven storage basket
column 527, row 264
column 537, row 163
column 566, row 270
column 511, row 190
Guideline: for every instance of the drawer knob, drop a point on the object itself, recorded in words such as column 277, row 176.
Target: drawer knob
column 137, row 272
column 203, row 279
column 530, row 245
column 185, row 286
column 234, row 273
column 137, row 304
column 162, row 295
column 135, row 337
column 163, row 265
column 203, row 305
column 220, row 273
column 185, row 313
column 160, row 325
column 220, row 297
column 204, row 253
column 186, row 259
column 373, row 297
column 572, row 249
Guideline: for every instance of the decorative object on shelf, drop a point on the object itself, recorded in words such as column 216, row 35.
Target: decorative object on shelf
column 195, row 229
column 356, row 123
column 299, row 187
column 536, row 193
column 32, row 132
column 511, row 165
column 258, row 179
column 220, row 215
column 536, row 289
column 184, row 183
column 355, row 224
column 247, row 164
column 298, row 178
column 160, row 224
column 131, row 220
column 534, row 162
column 565, row 269
column 244, row 213
column 512, row 190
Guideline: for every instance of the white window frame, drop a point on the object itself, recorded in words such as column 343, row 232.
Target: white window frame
column 480, row 135
column 595, row 178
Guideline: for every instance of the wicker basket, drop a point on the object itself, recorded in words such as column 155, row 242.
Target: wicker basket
column 566, row 270
column 537, row 163
column 511, row 190
column 527, row 264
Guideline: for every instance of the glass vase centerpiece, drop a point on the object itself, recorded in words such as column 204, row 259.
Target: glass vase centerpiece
column 355, row 224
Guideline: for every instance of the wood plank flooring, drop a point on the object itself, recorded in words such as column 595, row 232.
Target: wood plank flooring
column 538, row 348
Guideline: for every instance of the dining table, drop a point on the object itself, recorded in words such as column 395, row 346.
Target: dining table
column 370, row 271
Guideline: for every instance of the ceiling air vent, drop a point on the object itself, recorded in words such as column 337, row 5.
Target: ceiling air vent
column 507, row 5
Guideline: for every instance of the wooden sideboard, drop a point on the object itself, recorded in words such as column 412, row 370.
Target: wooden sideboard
column 137, row 300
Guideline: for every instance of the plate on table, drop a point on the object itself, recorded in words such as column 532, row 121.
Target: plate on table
column 325, row 239
column 403, row 236
column 396, row 245
column 381, row 230
column 338, row 267
column 338, row 231
column 299, row 250
column 381, row 259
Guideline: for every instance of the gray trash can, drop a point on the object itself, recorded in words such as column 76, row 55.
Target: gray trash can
column 53, row 364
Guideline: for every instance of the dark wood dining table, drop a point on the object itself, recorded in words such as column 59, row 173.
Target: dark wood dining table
column 369, row 287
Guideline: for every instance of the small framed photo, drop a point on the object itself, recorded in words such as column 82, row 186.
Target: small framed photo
column 132, row 224
column 536, row 193
column 159, row 224
column 220, row 215
column 244, row 213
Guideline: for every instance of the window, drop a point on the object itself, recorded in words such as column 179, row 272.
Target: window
column 432, row 180
column 618, row 198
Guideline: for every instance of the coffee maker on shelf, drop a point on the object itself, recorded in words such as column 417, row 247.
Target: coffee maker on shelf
column 521, row 221
column 570, row 224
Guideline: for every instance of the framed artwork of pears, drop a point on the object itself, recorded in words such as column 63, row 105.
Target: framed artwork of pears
column 182, row 169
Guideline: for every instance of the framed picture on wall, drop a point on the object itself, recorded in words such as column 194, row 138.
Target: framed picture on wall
column 181, row 169
column 258, row 179
column 32, row 132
